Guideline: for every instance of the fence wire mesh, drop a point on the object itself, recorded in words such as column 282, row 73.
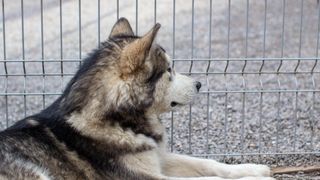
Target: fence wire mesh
column 258, row 62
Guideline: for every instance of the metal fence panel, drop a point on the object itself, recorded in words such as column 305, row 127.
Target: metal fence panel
column 257, row 61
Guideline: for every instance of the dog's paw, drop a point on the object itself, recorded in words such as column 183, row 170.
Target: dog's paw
column 257, row 178
column 259, row 170
column 243, row 170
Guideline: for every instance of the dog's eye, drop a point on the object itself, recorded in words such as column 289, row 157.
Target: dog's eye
column 169, row 69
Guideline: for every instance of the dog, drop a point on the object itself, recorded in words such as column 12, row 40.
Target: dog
column 106, row 123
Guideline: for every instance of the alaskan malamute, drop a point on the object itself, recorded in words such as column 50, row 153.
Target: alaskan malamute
column 106, row 124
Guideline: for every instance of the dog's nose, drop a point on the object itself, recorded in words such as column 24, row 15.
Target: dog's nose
column 198, row 85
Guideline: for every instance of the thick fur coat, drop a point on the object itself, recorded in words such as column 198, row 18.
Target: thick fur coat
column 106, row 123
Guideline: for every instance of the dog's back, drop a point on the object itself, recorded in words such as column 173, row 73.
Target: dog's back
column 24, row 153
column 18, row 161
column 45, row 146
column 31, row 150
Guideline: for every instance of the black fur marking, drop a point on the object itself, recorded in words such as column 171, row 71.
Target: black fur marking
column 17, row 139
column 127, row 116
column 162, row 49
column 71, row 100
column 155, row 76
column 101, row 155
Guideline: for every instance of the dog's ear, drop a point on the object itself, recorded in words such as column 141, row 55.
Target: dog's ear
column 121, row 27
column 135, row 53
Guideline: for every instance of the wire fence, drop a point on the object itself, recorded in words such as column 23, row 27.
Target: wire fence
column 257, row 60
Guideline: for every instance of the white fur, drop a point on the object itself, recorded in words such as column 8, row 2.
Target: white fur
column 163, row 165
column 182, row 88
column 37, row 170
column 173, row 87
column 114, row 134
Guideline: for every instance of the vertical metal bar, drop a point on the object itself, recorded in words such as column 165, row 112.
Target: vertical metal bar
column 264, row 29
column 312, row 115
column 174, row 33
column 192, row 38
column 283, row 25
column 243, row 116
column 171, row 133
column 247, row 31
column 278, row 118
column 137, row 17
column 208, row 84
column 260, row 70
column 5, row 63
column 118, row 9
column 225, row 77
column 208, row 117
column 23, row 60
column 313, row 122
column 190, row 129
column 80, row 33
column 228, row 40
column 228, row 37
column 279, row 107
column 210, row 35
column 6, row 101
column 279, row 83
column 300, row 33
column 173, row 56
column 296, row 79
column 260, row 118
column 192, row 35
column 210, row 38
column 225, row 120
column 278, row 112
column 317, row 50
column 61, row 45
column 192, row 55
column 295, row 121
column 42, row 57
column 155, row 11
column 244, row 83
column 99, row 19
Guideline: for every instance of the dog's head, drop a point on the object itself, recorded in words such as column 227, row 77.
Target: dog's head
column 130, row 74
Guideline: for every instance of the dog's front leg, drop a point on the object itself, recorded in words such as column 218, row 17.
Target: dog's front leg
column 219, row 178
column 175, row 165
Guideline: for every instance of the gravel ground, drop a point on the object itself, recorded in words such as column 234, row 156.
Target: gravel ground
column 219, row 123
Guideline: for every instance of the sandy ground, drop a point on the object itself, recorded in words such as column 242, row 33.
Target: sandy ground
column 269, row 118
